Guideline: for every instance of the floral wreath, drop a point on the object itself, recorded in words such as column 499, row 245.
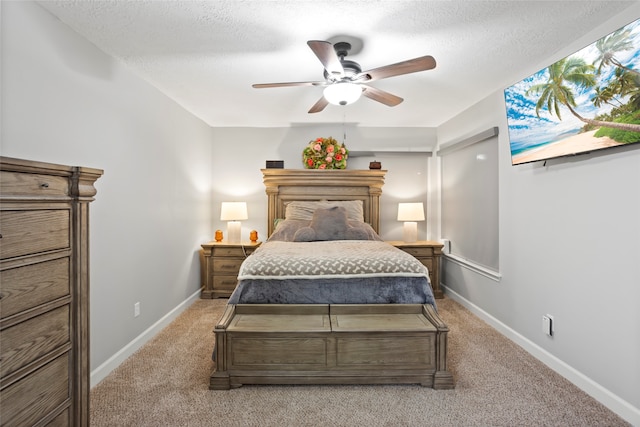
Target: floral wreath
column 325, row 153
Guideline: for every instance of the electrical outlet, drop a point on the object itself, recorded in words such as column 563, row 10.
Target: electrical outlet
column 447, row 246
column 136, row 309
column 547, row 324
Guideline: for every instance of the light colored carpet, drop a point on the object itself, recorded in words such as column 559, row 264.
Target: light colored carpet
column 165, row 383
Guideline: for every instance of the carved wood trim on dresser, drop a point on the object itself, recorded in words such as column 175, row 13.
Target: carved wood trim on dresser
column 44, row 292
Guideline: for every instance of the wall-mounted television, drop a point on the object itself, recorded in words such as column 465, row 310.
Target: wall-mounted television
column 585, row 102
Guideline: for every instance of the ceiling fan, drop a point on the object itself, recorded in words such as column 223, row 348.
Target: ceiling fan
column 344, row 80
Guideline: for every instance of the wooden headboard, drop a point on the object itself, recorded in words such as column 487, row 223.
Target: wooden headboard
column 287, row 185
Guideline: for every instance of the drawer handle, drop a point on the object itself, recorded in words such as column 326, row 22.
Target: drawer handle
column 44, row 185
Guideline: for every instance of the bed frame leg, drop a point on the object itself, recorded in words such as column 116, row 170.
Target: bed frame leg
column 443, row 380
column 219, row 381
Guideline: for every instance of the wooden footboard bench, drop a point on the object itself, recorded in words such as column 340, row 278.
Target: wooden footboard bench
column 330, row 344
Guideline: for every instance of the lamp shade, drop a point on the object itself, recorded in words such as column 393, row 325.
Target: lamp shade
column 410, row 212
column 233, row 211
column 342, row 93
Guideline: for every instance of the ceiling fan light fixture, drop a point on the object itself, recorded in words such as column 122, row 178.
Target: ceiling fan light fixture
column 342, row 93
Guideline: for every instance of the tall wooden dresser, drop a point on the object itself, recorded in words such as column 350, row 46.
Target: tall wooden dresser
column 44, row 292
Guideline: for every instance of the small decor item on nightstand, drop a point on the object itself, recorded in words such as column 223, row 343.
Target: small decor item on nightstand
column 325, row 153
column 219, row 236
column 375, row 165
column 253, row 236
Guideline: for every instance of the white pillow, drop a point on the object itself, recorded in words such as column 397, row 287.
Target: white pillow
column 302, row 210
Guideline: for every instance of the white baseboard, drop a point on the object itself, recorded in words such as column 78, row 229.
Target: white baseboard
column 114, row 361
column 620, row 406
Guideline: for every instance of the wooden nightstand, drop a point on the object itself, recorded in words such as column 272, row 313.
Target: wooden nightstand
column 428, row 253
column 220, row 263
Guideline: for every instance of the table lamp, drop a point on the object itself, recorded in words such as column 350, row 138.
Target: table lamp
column 410, row 213
column 233, row 213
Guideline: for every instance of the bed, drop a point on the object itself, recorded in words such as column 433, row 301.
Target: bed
column 324, row 300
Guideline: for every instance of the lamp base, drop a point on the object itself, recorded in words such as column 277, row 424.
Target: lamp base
column 410, row 232
column 234, row 231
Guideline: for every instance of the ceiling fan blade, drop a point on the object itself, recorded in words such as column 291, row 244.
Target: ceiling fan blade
column 381, row 96
column 319, row 106
column 328, row 56
column 287, row 84
column 423, row 63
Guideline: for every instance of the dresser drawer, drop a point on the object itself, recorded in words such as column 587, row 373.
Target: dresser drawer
column 61, row 420
column 29, row 232
column 29, row 286
column 33, row 185
column 227, row 265
column 34, row 338
column 225, row 283
column 35, row 396
column 231, row 251
column 418, row 252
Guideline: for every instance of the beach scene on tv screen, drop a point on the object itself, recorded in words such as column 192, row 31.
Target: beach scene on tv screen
column 588, row 101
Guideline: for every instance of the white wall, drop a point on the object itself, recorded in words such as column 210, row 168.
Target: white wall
column 569, row 247
column 64, row 101
column 240, row 153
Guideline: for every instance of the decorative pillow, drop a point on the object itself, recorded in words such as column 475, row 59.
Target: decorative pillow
column 366, row 228
column 303, row 210
column 330, row 224
column 286, row 229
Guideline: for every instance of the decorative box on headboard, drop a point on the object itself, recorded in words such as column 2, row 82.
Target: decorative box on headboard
column 286, row 185
column 275, row 164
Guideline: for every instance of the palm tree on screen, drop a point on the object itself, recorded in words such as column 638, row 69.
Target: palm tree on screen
column 558, row 90
column 618, row 41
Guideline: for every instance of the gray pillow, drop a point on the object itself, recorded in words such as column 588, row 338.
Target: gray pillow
column 330, row 224
column 286, row 229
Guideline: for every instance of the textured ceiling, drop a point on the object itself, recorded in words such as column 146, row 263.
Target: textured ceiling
column 206, row 54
